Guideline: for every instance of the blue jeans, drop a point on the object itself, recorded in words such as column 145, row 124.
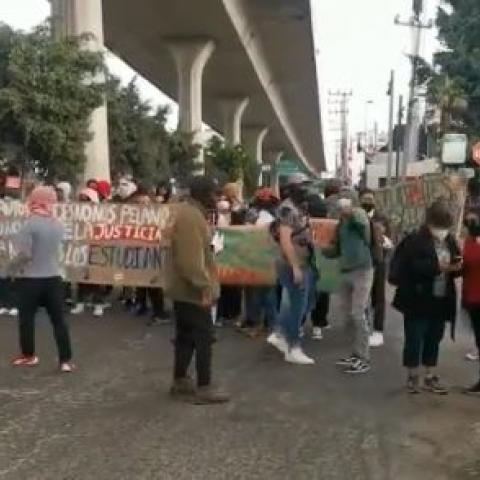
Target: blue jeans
column 297, row 301
column 261, row 303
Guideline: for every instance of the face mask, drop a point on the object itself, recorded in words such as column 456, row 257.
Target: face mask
column 368, row 207
column 345, row 203
column 223, row 206
column 439, row 233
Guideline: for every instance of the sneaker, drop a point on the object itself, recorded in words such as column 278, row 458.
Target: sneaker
column 360, row 366
column 25, row 361
column 98, row 311
column 433, row 385
column 67, row 367
column 475, row 390
column 13, row 312
column 297, row 356
column 182, row 387
column 413, row 384
column 472, row 357
column 376, row 339
column 78, row 309
column 347, row 361
column 317, row 333
column 209, row 396
column 278, row 341
column 3, row 311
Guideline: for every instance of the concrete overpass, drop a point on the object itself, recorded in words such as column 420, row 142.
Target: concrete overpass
column 245, row 67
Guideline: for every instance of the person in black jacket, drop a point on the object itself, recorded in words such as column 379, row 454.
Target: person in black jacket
column 426, row 294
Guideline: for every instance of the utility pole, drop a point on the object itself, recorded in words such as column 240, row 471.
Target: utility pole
column 344, row 97
column 417, row 26
column 391, row 93
column 399, row 129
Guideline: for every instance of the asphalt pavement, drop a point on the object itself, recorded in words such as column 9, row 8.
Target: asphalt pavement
column 113, row 418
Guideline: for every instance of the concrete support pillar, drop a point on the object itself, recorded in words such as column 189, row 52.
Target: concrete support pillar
column 272, row 157
column 232, row 111
column 191, row 55
column 76, row 17
column 253, row 138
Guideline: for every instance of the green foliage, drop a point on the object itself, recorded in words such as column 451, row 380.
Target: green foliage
column 49, row 89
column 182, row 152
column 230, row 164
column 137, row 135
column 459, row 31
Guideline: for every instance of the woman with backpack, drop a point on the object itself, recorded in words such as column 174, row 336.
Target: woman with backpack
column 425, row 266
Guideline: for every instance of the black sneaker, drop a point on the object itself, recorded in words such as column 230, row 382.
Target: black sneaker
column 347, row 361
column 475, row 390
column 359, row 366
column 433, row 385
column 413, row 384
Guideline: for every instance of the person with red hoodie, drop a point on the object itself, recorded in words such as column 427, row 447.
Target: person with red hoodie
column 471, row 281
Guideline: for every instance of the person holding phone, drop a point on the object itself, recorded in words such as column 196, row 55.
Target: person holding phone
column 426, row 295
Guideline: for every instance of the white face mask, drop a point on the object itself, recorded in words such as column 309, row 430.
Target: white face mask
column 223, row 206
column 439, row 233
column 345, row 203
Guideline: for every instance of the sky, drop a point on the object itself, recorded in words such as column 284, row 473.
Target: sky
column 358, row 46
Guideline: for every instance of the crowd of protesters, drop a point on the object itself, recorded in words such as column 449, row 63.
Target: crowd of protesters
column 423, row 268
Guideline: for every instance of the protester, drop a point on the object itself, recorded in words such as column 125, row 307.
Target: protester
column 193, row 287
column 163, row 193
column 39, row 280
column 471, row 281
column 295, row 269
column 231, row 213
column 104, row 190
column 381, row 242
column 317, row 208
column 89, row 292
column 64, row 191
column 352, row 245
column 428, row 261
column 260, row 302
column 125, row 191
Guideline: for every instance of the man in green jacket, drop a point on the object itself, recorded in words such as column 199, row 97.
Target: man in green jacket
column 353, row 247
column 193, row 287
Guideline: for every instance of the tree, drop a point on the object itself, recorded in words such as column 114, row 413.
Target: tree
column 231, row 164
column 137, row 134
column 50, row 88
column 458, row 22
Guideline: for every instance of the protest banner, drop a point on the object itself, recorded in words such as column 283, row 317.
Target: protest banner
column 105, row 244
column 405, row 204
column 128, row 244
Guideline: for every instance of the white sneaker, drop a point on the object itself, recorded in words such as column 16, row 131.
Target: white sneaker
column 376, row 339
column 78, row 309
column 13, row 312
column 277, row 341
column 98, row 311
column 297, row 356
column 317, row 333
column 3, row 311
column 472, row 357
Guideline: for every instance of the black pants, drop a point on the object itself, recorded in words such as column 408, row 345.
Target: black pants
column 43, row 292
column 194, row 333
column 156, row 297
column 8, row 298
column 378, row 298
column 95, row 293
column 475, row 318
column 422, row 341
column 230, row 302
column 320, row 311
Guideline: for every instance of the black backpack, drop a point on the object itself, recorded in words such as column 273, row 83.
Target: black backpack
column 398, row 262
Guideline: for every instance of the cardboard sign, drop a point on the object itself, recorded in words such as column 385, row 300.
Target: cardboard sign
column 406, row 203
